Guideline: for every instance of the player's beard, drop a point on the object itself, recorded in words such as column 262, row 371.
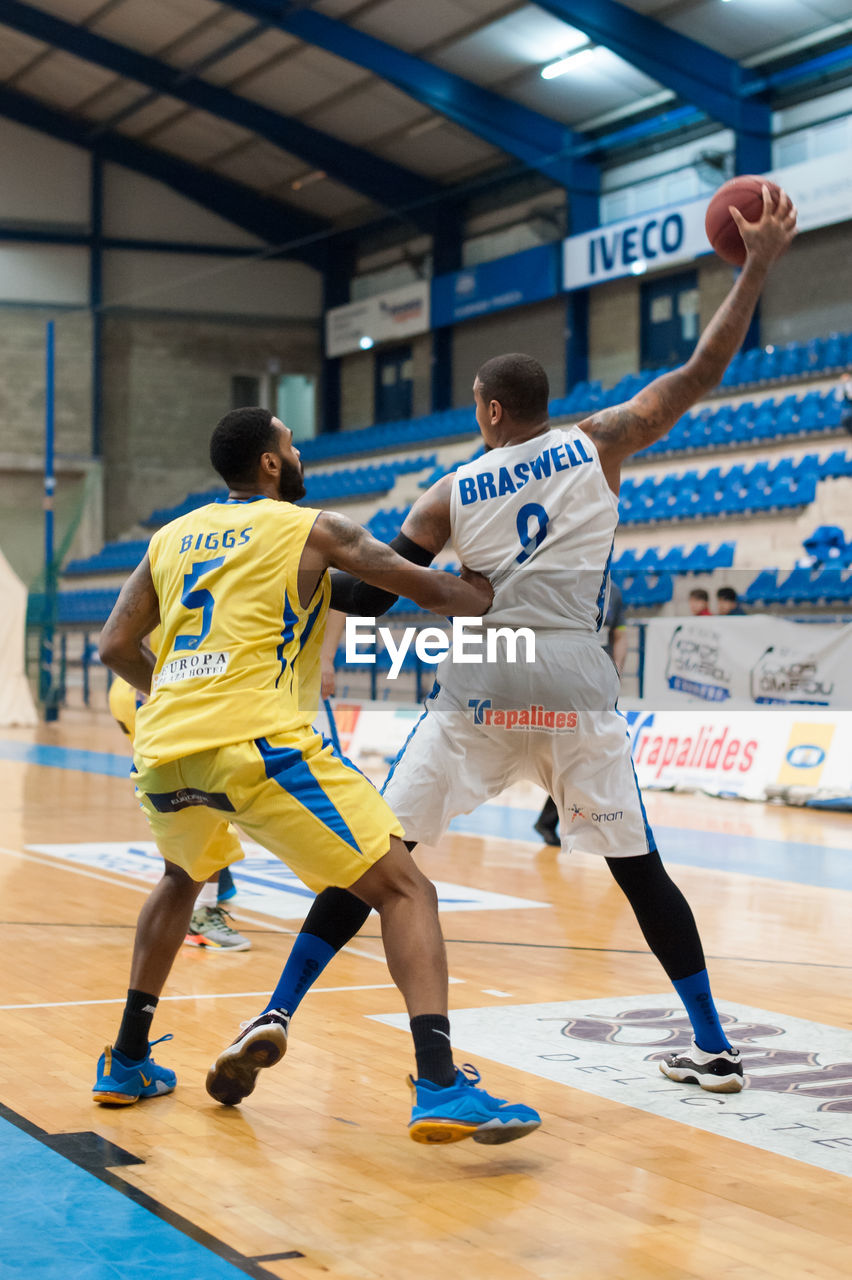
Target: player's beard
column 291, row 484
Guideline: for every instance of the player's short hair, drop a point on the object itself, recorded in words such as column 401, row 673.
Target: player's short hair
column 518, row 383
column 727, row 593
column 698, row 593
column 238, row 442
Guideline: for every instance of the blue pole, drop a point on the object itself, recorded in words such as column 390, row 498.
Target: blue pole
column 46, row 667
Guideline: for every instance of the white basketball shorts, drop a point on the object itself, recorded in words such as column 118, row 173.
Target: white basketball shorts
column 553, row 722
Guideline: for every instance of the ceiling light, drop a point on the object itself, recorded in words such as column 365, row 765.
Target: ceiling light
column 308, row 180
column 639, row 267
column 365, row 343
column 570, row 62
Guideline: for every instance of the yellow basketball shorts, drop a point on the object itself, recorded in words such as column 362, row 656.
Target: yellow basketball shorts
column 290, row 792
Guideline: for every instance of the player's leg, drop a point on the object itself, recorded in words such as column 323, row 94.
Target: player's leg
column 547, row 822
column 126, row 1071
column 427, row 767
column 602, row 811
column 326, row 820
column 668, row 926
column 210, row 926
column 190, row 840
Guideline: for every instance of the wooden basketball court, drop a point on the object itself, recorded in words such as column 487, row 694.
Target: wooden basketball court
column 315, row 1174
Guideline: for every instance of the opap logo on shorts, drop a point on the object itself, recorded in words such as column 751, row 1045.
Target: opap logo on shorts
column 533, row 717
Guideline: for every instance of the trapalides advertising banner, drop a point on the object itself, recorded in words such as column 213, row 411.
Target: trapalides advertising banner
column 802, row 757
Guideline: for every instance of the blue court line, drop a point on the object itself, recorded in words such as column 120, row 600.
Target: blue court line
column 67, row 1220
column 102, row 762
column 794, row 861
column 811, row 864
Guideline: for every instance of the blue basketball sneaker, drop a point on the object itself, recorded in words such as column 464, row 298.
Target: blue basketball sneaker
column 119, row 1084
column 464, row 1111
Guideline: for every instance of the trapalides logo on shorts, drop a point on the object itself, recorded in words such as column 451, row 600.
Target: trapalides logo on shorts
column 533, row 717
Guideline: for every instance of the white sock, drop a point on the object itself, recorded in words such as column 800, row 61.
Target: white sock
column 207, row 896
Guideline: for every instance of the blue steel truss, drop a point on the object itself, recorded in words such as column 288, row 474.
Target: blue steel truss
column 541, row 143
column 380, row 180
column 717, row 84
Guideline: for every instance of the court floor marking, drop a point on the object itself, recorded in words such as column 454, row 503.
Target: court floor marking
column 72, row 1220
column 795, row 862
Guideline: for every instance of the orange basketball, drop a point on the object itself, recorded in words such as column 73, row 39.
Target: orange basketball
column 745, row 194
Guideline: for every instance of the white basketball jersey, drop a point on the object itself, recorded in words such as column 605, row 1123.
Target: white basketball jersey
column 538, row 519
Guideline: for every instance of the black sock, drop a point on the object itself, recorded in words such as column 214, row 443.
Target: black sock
column 432, row 1049
column 132, row 1038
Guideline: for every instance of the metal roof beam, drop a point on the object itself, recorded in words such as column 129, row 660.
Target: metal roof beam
column 299, row 235
column 709, row 80
column 540, row 142
column 379, row 180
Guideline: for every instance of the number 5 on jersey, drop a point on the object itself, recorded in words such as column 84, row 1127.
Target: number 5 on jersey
column 201, row 599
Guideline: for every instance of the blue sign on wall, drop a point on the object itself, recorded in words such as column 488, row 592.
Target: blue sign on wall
column 492, row 286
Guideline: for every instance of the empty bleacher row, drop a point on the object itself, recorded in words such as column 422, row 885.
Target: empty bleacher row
column 736, row 490
column 349, row 482
column 759, row 366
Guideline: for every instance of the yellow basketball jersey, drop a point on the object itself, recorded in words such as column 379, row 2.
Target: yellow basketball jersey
column 239, row 658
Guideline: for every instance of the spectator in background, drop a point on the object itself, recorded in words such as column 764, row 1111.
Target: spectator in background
column 699, row 603
column 547, row 822
column 728, row 603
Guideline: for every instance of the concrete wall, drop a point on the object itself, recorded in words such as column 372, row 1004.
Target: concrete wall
column 167, row 381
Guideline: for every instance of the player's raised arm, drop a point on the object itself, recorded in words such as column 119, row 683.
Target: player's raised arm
column 626, row 428
column 337, row 542
column 135, row 614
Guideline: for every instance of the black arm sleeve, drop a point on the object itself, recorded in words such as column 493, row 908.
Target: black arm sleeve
column 351, row 595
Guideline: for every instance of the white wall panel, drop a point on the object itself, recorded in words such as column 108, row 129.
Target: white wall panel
column 140, row 208
column 202, row 285
column 44, row 182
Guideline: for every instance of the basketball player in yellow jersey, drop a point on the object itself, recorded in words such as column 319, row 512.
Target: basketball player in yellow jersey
column 240, row 589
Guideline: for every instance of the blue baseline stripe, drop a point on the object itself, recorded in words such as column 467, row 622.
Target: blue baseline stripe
column 286, row 766
column 102, row 762
column 800, row 863
column 67, row 1221
column 797, row 862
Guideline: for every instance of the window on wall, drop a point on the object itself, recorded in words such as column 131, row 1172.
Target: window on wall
column 290, row 396
column 669, row 320
column 296, row 404
column 245, row 390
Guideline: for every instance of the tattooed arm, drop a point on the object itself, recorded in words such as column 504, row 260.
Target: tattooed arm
column 337, row 542
column 626, row 428
column 135, row 615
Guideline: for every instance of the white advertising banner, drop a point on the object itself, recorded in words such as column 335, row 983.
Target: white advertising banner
column 646, row 242
column 755, row 661
column 399, row 313
column 821, row 190
column 802, row 756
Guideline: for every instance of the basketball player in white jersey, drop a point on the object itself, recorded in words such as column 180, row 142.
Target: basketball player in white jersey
column 536, row 514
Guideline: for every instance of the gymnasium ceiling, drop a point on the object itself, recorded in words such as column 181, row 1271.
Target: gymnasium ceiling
column 333, row 113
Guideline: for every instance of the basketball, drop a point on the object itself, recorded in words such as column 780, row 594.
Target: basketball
column 745, row 194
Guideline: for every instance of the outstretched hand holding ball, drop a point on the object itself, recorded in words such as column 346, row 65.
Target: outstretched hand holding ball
column 750, row 215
